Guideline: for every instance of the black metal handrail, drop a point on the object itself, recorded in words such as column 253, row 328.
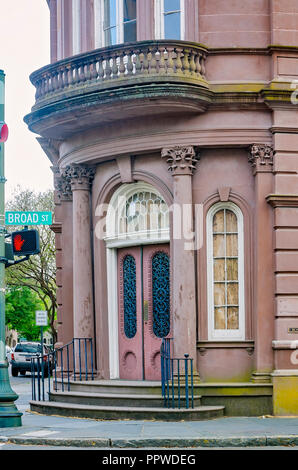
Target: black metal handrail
column 73, row 361
column 176, row 376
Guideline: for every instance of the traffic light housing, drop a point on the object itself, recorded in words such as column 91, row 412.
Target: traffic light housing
column 25, row 242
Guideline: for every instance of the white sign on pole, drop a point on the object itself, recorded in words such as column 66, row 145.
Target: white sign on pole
column 41, row 318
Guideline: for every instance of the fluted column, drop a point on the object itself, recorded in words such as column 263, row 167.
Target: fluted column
column 80, row 177
column 261, row 159
column 182, row 162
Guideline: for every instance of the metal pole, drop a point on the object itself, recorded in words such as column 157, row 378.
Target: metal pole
column 9, row 414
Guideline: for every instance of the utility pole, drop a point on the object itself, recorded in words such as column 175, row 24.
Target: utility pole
column 9, row 414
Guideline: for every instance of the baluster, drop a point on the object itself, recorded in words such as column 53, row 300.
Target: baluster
column 114, row 66
column 192, row 65
column 170, row 61
column 129, row 65
column 152, row 59
column 203, row 70
column 185, row 61
column 75, row 74
column 178, row 62
column 138, row 64
column 198, row 64
column 50, row 83
column 82, row 75
column 94, row 74
column 108, row 69
column 162, row 61
column 121, row 65
column 88, row 72
column 101, row 71
column 145, row 62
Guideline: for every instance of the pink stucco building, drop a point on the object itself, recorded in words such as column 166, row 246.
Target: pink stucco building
column 172, row 128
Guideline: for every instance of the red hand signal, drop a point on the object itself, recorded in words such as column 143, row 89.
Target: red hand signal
column 18, row 242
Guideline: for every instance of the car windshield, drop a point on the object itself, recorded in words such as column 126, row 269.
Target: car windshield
column 28, row 348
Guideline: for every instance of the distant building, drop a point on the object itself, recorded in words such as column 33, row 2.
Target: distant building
column 180, row 116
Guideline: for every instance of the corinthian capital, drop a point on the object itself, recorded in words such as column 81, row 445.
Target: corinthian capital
column 79, row 176
column 261, row 157
column 181, row 160
column 63, row 187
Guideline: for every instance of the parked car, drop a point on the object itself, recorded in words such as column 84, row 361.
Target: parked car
column 20, row 358
column 7, row 352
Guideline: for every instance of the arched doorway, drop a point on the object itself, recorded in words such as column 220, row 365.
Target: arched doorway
column 138, row 262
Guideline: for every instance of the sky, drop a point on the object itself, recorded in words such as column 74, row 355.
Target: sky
column 24, row 47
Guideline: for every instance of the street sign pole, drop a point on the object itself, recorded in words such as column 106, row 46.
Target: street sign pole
column 9, row 414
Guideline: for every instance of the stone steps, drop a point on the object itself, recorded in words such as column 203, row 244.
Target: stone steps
column 118, row 387
column 133, row 413
column 122, row 399
column 115, row 399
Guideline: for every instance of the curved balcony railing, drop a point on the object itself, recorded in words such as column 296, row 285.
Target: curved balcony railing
column 124, row 64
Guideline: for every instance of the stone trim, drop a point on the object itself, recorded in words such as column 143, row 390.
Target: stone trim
column 181, row 160
column 261, row 158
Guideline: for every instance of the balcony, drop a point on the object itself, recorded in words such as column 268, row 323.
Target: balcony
column 118, row 82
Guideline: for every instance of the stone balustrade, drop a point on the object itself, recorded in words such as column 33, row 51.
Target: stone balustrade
column 124, row 64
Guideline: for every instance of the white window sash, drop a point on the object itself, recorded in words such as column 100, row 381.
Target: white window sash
column 159, row 19
column 76, row 27
column 215, row 334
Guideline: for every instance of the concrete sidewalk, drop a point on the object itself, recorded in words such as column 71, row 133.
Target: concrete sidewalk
column 223, row 432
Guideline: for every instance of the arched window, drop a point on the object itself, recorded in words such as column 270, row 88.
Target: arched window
column 169, row 19
column 116, row 20
column 137, row 212
column 225, row 270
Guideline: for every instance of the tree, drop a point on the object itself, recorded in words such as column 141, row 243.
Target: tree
column 20, row 306
column 39, row 272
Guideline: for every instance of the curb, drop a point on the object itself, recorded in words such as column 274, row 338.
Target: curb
column 252, row 441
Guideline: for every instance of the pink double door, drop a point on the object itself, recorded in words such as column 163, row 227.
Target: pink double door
column 144, row 309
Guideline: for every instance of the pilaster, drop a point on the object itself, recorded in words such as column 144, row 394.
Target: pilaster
column 182, row 162
column 261, row 159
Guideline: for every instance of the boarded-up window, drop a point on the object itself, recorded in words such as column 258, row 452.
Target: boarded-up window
column 225, row 267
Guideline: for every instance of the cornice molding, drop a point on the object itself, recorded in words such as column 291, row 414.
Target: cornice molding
column 282, row 200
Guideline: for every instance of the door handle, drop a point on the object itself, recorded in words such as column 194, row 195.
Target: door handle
column 145, row 310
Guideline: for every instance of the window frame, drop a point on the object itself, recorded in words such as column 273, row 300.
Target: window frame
column 216, row 334
column 99, row 23
column 159, row 24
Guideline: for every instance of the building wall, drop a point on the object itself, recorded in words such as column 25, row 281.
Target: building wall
column 240, row 64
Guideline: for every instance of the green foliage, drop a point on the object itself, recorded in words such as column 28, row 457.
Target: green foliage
column 20, row 306
column 39, row 272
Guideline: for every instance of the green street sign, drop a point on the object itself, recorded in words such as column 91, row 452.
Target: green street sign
column 28, row 218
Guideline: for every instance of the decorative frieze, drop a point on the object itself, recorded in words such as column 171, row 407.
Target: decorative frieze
column 261, row 158
column 181, row 160
column 78, row 176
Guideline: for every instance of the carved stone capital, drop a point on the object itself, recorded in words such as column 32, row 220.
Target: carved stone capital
column 62, row 187
column 261, row 158
column 79, row 176
column 181, row 160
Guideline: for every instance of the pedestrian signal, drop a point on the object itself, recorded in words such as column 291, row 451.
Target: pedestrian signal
column 25, row 242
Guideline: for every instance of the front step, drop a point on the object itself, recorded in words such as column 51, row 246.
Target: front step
column 116, row 399
column 134, row 413
column 118, row 387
